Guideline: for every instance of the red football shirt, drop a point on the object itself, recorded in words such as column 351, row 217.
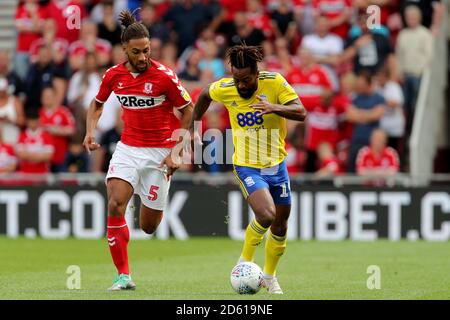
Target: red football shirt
column 24, row 39
column 388, row 159
column 332, row 164
column 309, row 85
column 60, row 117
column 67, row 14
column 147, row 101
column 322, row 124
column 7, row 156
column 37, row 141
column 331, row 9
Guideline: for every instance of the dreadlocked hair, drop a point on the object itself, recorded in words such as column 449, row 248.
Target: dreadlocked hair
column 132, row 29
column 243, row 56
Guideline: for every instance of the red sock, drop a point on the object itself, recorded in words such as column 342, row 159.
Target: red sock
column 118, row 237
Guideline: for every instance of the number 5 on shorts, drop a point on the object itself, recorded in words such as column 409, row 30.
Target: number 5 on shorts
column 153, row 195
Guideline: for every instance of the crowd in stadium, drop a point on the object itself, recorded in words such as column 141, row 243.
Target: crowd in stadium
column 358, row 80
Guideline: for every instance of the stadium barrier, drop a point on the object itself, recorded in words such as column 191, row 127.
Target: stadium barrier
column 345, row 207
column 430, row 118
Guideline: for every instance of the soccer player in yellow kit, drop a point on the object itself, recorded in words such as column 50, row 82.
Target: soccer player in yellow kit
column 258, row 104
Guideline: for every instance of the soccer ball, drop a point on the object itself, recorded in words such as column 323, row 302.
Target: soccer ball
column 246, row 278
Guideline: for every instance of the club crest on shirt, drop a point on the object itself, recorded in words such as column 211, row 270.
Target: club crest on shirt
column 148, row 87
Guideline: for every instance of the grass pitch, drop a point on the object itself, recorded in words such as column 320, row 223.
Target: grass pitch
column 199, row 269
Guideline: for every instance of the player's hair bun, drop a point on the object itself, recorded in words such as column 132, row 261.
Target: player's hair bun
column 126, row 18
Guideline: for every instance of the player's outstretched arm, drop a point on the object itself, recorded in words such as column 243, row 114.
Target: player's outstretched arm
column 93, row 114
column 173, row 161
column 293, row 110
column 203, row 102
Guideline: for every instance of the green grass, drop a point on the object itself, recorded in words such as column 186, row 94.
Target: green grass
column 199, row 269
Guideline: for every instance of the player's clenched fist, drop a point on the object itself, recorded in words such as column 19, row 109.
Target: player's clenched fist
column 90, row 144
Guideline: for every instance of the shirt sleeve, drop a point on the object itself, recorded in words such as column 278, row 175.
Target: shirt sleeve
column 214, row 91
column 285, row 92
column 105, row 87
column 361, row 159
column 69, row 120
column 394, row 159
column 176, row 93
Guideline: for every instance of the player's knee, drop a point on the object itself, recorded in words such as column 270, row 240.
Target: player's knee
column 279, row 230
column 266, row 216
column 116, row 208
column 149, row 229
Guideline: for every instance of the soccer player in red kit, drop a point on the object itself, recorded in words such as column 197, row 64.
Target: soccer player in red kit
column 145, row 158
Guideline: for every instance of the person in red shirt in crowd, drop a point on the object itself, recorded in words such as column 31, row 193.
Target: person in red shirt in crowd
column 377, row 160
column 311, row 83
column 347, row 85
column 68, row 15
column 59, row 123
column 309, row 80
column 89, row 42
column 8, row 159
column 29, row 19
column 258, row 18
column 60, row 46
column 34, row 148
column 323, row 126
column 338, row 12
column 329, row 164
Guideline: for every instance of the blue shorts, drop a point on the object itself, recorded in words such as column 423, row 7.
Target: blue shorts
column 275, row 179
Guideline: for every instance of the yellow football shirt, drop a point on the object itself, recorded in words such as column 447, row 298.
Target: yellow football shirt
column 258, row 140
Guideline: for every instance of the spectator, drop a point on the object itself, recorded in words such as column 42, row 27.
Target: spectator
column 414, row 53
column 242, row 31
column 42, row 74
column 77, row 159
column 309, row 80
column 8, row 159
column 169, row 55
column 377, row 160
column 59, row 46
column 157, row 29
column 29, row 20
column 83, row 87
column 258, row 18
column 393, row 120
column 59, row 123
column 338, row 12
column 108, row 142
column 212, row 61
column 368, row 51
column 97, row 12
column 89, row 42
column 187, row 18
column 304, row 14
column 312, row 85
column 344, row 98
column 6, row 71
column 283, row 20
column 156, row 48
column 118, row 56
column 68, row 16
column 191, row 71
column 328, row 163
column 11, row 114
column 365, row 112
column 108, row 28
column 432, row 12
column 34, row 148
column 326, row 48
